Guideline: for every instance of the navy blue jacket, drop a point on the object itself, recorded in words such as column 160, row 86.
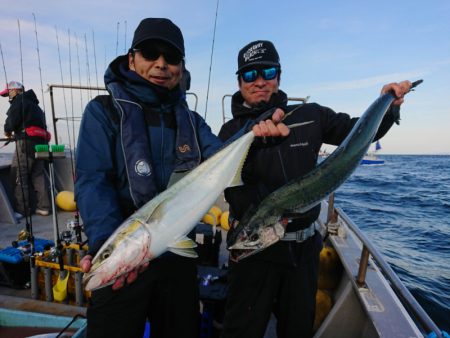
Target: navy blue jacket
column 109, row 140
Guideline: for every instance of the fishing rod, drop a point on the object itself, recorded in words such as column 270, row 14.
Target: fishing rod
column 40, row 70
column 60, row 69
column 76, row 224
column 88, row 72
column 63, row 274
column 7, row 141
column 72, row 166
column 95, row 60
column 22, row 177
column 3, row 62
column 79, row 72
column 125, row 39
column 211, row 59
column 71, row 92
column 117, row 38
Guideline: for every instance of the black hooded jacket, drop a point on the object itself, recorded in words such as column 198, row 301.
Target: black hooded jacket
column 269, row 168
column 24, row 112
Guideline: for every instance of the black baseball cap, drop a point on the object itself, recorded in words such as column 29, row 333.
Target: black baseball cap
column 161, row 29
column 260, row 52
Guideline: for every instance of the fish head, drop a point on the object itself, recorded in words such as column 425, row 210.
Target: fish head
column 126, row 249
column 250, row 241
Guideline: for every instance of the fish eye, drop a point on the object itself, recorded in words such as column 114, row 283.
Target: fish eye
column 106, row 254
column 254, row 237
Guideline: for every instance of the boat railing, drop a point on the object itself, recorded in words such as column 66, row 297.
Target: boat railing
column 225, row 117
column 72, row 118
column 56, row 118
column 368, row 249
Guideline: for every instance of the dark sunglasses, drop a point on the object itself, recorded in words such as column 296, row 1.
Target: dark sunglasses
column 266, row 73
column 152, row 53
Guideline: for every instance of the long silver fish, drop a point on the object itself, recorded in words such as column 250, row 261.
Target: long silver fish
column 260, row 229
column 163, row 223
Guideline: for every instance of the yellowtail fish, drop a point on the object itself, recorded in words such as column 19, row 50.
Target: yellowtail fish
column 163, row 223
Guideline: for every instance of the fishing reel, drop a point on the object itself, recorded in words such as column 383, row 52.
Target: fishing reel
column 73, row 232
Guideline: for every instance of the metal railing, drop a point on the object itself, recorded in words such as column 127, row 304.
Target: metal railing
column 368, row 249
column 55, row 118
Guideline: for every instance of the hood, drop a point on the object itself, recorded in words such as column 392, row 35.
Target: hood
column 29, row 95
column 136, row 86
column 238, row 109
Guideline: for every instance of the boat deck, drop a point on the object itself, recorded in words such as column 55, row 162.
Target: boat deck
column 20, row 298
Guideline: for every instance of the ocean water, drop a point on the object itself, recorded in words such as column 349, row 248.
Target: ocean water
column 403, row 206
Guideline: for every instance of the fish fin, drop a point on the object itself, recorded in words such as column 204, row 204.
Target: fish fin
column 190, row 253
column 237, row 179
column 157, row 212
column 183, row 243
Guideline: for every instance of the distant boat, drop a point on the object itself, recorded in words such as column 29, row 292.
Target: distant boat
column 371, row 159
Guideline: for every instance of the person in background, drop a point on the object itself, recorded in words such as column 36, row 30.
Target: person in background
column 25, row 123
column 130, row 143
column 281, row 279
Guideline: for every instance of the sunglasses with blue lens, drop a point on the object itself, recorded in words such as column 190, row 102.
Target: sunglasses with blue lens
column 152, row 53
column 266, row 73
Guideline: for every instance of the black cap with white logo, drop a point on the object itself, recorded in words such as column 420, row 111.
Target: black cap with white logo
column 260, row 52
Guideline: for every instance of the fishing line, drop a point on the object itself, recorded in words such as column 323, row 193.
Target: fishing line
column 210, row 62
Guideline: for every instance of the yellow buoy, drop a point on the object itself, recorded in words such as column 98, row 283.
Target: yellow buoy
column 323, row 307
column 209, row 219
column 330, row 268
column 212, row 216
column 224, row 220
column 65, row 200
column 217, row 212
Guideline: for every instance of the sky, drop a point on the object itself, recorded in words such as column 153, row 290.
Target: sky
column 337, row 53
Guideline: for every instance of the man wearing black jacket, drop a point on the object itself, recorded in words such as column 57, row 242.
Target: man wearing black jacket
column 25, row 122
column 281, row 279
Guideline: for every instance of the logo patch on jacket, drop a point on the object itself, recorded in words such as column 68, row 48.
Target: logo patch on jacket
column 142, row 168
column 301, row 144
column 184, row 148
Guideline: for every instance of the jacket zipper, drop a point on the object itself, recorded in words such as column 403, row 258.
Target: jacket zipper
column 163, row 169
